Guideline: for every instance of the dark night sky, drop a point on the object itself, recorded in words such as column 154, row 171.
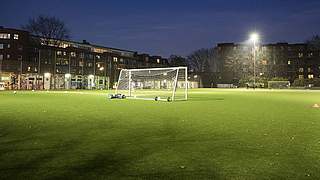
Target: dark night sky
column 165, row 27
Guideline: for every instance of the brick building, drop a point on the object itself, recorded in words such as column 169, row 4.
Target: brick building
column 32, row 62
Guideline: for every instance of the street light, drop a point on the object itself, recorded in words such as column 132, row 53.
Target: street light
column 254, row 38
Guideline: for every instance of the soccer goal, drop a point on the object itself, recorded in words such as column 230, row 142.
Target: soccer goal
column 168, row 84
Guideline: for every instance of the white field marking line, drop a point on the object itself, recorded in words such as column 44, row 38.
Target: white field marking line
column 74, row 92
column 251, row 90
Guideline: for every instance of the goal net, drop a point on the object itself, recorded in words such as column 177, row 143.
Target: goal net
column 278, row 84
column 167, row 84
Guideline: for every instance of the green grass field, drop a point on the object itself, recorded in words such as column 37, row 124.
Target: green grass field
column 216, row 134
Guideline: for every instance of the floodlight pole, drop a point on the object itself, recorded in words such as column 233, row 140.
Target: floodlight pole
column 254, row 64
column 186, row 83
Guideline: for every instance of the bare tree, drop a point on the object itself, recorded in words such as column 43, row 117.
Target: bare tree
column 50, row 28
column 176, row 60
column 202, row 60
column 314, row 42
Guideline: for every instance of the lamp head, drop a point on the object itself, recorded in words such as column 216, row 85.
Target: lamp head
column 254, row 37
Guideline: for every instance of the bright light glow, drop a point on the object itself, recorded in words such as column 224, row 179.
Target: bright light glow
column 195, row 76
column 254, row 37
column 67, row 75
column 101, row 68
column 47, row 75
column 91, row 76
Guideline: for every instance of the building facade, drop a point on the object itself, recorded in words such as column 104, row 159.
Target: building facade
column 32, row 62
column 280, row 60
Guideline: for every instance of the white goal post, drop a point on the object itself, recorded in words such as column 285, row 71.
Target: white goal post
column 169, row 84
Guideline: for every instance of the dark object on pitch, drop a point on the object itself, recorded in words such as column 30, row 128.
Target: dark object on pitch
column 116, row 96
column 169, row 99
column 156, row 98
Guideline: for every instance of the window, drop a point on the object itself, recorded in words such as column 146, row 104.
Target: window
column 309, row 69
column 115, row 59
column 81, row 55
column 98, row 57
column 8, row 56
column 29, row 68
column 310, row 76
column 264, row 62
column 64, row 53
column 59, row 53
column 4, row 36
column 1, row 46
column 289, row 62
column 16, row 36
column 310, row 54
column 73, row 54
column 300, row 55
column 65, row 62
column 89, row 64
column 8, row 46
column 19, row 57
column 300, row 69
column 158, row 61
column 301, row 76
column 1, row 56
column 80, row 63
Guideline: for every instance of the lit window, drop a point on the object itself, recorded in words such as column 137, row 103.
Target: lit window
column 300, row 69
column 1, row 56
column 115, row 59
column 64, row 53
column 310, row 76
column 97, row 56
column 309, row 69
column 29, row 68
column 73, row 54
column 300, row 55
column 59, row 53
column 1, row 46
column 158, row 61
column 301, row 76
column 310, row 54
column 8, row 56
column 264, row 62
column 289, row 62
column 4, row 36
column 89, row 64
column 8, row 46
column 16, row 36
